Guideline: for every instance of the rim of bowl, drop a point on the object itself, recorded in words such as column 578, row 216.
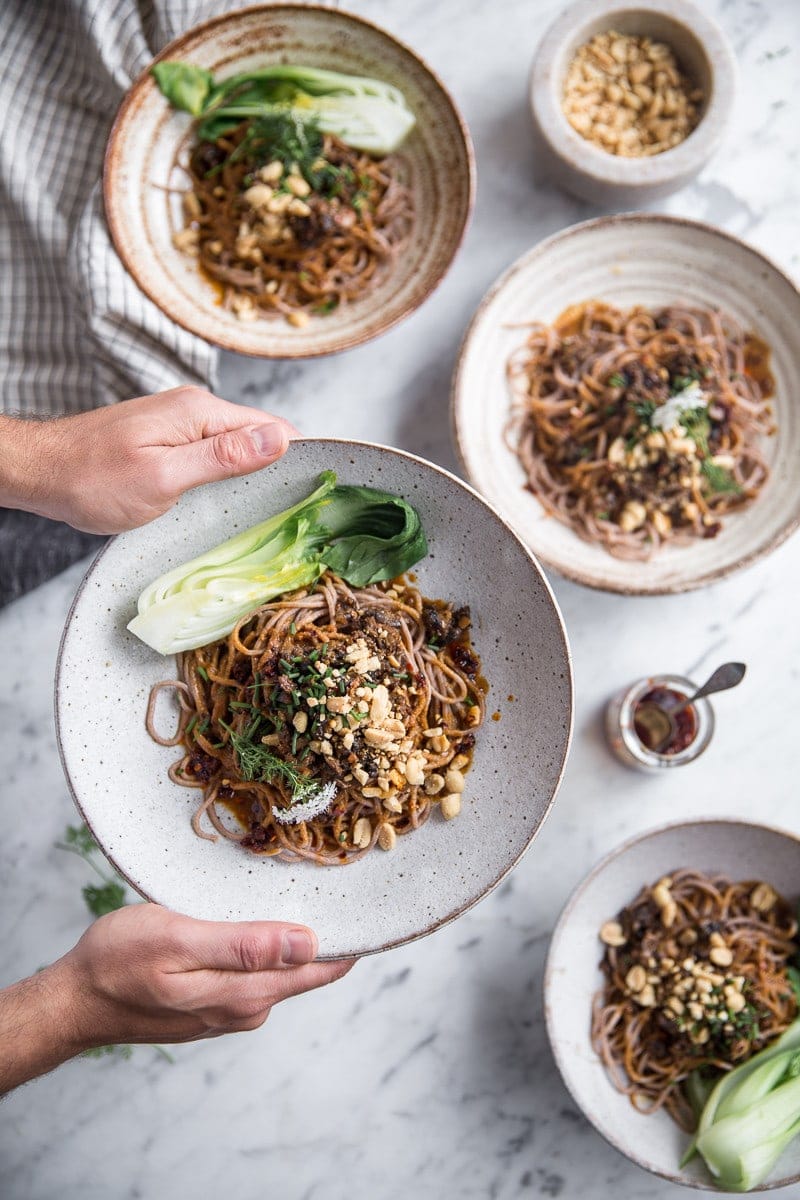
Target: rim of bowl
column 569, row 714
column 574, row 574
column 589, row 160
column 547, row 984
column 223, row 340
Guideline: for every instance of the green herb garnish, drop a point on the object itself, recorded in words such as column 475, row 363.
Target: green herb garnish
column 104, row 899
column 616, row 380
column 720, row 479
column 644, row 410
column 258, row 763
column 327, row 306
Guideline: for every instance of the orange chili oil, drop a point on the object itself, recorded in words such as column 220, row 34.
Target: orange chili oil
column 685, row 720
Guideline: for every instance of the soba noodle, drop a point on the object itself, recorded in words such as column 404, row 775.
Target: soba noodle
column 696, row 977
column 285, row 247
column 366, row 698
column 585, row 422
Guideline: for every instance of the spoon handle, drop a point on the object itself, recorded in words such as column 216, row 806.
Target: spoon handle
column 726, row 676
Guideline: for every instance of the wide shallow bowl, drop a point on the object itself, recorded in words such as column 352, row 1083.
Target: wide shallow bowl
column 148, row 134
column 118, row 775
column 631, row 259
column 585, row 169
column 738, row 849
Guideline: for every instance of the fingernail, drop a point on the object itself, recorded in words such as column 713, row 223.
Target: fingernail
column 298, row 948
column 267, row 439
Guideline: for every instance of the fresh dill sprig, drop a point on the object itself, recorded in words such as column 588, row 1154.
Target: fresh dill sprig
column 258, row 763
column 719, row 479
column 697, row 424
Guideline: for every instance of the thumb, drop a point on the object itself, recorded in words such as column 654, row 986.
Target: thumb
column 225, row 455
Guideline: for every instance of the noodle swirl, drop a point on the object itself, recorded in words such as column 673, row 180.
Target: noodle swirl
column 372, row 693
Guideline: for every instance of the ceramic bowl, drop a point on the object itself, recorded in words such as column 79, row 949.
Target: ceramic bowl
column 631, row 259
column 735, row 848
column 590, row 172
column 148, row 134
column 118, row 775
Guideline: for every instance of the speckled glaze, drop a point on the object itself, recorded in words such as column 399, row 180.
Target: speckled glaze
column 631, row 259
column 588, row 171
column 118, row 775
column 735, row 848
column 148, row 132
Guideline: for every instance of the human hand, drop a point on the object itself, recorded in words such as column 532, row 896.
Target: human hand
column 118, row 467
column 145, row 974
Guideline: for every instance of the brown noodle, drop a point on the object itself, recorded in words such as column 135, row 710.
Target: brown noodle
column 337, row 251
column 650, row 1050
column 435, row 689
column 581, row 391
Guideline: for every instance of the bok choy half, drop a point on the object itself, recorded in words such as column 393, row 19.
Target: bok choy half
column 365, row 113
column 361, row 534
column 751, row 1116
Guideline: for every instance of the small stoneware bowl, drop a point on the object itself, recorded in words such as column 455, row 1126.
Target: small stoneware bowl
column 585, row 169
column 149, row 135
column 634, row 258
column 118, row 774
column 738, row 849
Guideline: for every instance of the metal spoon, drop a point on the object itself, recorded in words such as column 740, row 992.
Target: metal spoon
column 658, row 719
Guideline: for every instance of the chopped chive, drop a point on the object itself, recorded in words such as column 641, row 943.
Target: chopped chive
column 293, row 627
column 203, row 673
column 191, row 724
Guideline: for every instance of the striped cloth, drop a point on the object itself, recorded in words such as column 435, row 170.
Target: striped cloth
column 75, row 331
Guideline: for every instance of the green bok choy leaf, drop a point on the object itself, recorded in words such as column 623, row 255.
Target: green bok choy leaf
column 751, row 1115
column 362, row 534
column 365, row 113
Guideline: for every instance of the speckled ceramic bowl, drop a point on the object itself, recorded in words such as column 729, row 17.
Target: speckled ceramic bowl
column 735, row 848
column 148, row 133
column 631, row 259
column 584, row 168
column 118, row 775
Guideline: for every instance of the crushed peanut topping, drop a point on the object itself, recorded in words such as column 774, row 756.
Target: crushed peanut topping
column 628, row 96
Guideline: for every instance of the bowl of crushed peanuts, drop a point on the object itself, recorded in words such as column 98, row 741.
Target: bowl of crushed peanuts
column 630, row 102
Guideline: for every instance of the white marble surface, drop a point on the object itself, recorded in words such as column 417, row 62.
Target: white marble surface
column 426, row 1071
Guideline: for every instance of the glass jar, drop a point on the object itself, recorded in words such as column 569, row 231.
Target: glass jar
column 622, row 735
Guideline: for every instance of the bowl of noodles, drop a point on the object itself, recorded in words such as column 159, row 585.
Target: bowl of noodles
column 279, row 728
column 288, row 181
column 672, row 964
column 624, row 396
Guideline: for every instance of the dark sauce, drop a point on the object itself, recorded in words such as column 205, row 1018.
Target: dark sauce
column 685, row 720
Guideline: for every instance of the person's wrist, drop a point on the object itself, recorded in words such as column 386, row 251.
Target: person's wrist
column 70, row 1007
column 30, row 475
